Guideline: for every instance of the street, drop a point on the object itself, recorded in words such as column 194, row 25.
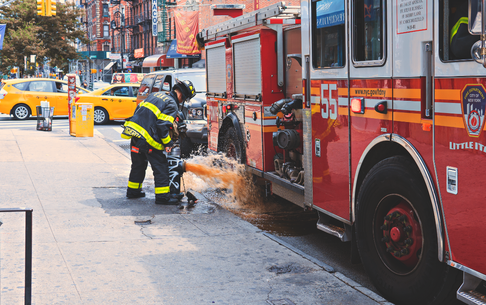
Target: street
column 285, row 220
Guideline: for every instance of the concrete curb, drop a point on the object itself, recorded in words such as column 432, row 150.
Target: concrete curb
column 297, row 251
column 340, row 276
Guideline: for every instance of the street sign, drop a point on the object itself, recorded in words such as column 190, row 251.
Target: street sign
column 154, row 18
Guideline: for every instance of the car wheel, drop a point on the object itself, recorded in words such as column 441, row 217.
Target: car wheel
column 397, row 237
column 21, row 112
column 100, row 116
column 232, row 146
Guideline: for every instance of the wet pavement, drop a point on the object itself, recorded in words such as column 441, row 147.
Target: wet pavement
column 94, row 246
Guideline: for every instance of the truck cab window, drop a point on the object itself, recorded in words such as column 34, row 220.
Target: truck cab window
column 328, row 34
column 454, row 39
column 368, row 24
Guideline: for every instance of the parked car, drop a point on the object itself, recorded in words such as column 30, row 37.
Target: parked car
column 113, row 102
column 19, row 97
column 194, row 110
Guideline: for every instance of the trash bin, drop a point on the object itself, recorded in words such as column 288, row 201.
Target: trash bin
column 44, row 116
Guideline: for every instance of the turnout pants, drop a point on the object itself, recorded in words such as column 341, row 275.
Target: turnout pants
column 142, row 154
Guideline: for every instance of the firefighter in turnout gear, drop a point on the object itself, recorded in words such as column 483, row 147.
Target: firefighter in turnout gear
column 150, row 131
column 461, row 40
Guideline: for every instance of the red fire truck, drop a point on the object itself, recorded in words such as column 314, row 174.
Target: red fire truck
column 361, row 111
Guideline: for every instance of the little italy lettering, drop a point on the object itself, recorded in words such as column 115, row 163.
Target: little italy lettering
column 467, row 145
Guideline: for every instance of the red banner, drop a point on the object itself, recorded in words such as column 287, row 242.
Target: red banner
column 138, row 53
column 187, row 27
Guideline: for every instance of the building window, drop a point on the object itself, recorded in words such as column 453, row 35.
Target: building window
column 106, row 30
column 106, row 12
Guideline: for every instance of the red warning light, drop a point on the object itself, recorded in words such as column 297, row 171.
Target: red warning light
column 357, row 105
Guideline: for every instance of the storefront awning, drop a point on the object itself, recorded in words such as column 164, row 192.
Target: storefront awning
column 108, row 67
column 172, row 53
column 158, row 60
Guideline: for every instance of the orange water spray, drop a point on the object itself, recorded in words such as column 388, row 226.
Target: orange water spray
column 225, row 178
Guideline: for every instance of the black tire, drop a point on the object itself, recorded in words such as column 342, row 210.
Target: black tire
column 100, row 116
column 416, row 277
column 232, row 146
column 21, row 112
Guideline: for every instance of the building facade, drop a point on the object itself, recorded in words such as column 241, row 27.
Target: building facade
column 125, row 27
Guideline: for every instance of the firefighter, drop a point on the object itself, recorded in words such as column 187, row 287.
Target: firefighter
column 461, row 40
column 150, row 132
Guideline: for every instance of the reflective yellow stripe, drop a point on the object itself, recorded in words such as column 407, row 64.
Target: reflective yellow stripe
column 157, row 112
column 124, row 136
column 165, row 117
column 144, row 134
column 162, row 190
column 134, row 185
column 166, row 139
column 457, row 25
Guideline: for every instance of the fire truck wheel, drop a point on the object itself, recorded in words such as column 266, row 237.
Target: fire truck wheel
column 232, row 146
column 396, row 236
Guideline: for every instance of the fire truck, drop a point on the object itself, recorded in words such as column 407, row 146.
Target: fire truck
column 361, row 111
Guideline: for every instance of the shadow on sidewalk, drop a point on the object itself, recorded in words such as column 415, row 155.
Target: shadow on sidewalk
column 115, row 203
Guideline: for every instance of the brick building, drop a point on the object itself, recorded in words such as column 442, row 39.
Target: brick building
column 141, row 23
column 144, row 51
column 96, row 24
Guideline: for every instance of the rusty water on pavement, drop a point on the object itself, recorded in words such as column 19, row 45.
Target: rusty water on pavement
column 225, row 182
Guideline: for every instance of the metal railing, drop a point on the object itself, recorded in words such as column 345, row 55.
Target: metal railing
column 28, row 251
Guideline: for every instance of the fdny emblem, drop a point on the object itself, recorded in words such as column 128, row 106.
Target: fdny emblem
column 473, row 107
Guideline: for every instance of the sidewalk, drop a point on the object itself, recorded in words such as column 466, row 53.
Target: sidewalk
column 88, row 249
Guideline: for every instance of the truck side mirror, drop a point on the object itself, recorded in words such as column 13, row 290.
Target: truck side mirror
column 475, row 20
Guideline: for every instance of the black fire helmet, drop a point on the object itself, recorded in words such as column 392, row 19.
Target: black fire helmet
column 186, row 88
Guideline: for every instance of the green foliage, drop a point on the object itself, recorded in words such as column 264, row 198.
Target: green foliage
column 51, row 38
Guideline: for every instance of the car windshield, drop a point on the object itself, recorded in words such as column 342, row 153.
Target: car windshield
column 198, row 80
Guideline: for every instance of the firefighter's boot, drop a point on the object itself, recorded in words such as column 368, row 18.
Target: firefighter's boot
column 135, row 193
column 166, row 201
column 177, row 196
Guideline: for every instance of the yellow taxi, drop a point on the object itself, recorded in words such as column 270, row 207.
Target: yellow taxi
column 113, row 102
column 19, row 97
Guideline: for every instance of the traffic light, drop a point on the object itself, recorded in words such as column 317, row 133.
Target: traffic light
column 50, row 7
column 41, row 7
column 93, row 71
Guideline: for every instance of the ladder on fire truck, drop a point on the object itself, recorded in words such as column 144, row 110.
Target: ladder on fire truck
column 278, row 13
column 274, row 16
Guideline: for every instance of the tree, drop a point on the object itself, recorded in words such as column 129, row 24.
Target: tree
column 52, row 38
